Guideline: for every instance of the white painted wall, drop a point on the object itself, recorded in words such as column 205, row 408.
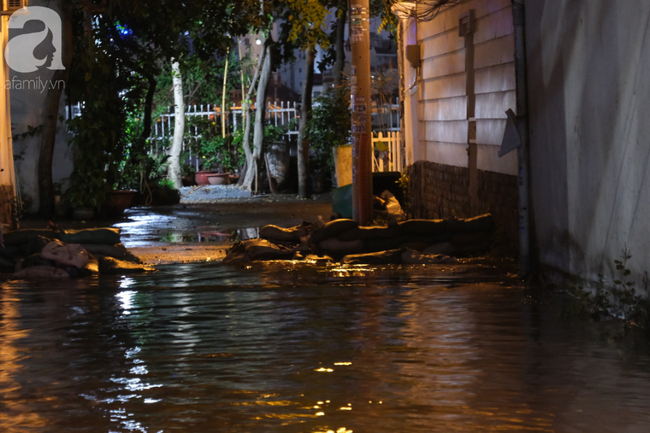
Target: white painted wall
column 27, row 109
column 588, row 65
column 442, row 102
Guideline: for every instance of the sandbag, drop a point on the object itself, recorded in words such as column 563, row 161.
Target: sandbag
column 70, row 255
column 445, row 248
column 364, row 233
column 111, row 266
column 38, row 243
column 339, row 247
column 12, row 253
column 381, row 258
column 261, row 249
column 417, row 258
column 115, row 251
column 376, row 245
column 36, row 260
column 422, row 227
column 91, row 268
column 481, row 223
column 22, row 237
column 104, row 236
column 36, row 272
column 316, row 259
column 393, row 207
column 291, row 234
column 333, row 229
column 257, row 249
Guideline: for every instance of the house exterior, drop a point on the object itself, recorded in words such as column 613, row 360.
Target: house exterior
column 589, row 140
column 454, row 112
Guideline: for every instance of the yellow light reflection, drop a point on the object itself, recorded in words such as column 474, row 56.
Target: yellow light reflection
column 342, row 363
column 324, row 370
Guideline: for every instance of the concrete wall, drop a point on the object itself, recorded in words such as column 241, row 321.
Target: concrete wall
column 588, row 65
column 442, row 133
column 27, row 110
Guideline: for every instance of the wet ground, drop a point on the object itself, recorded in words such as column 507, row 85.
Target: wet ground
column 286, row 347
column 202, row 232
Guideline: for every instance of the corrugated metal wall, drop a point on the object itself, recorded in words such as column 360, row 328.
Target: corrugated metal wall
column 443, row 134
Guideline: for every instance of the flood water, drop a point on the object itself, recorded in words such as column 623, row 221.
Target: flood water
column 271, row 348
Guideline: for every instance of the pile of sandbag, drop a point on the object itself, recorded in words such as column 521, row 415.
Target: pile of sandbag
column 411, row 241
column 66, row 253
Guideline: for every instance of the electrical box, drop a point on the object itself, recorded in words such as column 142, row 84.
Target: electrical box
column 413, row 55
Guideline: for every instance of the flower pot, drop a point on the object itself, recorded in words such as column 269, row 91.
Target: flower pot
column 279, row 160
column 219, row 179
column 82, row 213
column 234, row 178
column 118, row 201
column 165, row 197
column 201, row 177
column 188, row 180
column 343, row 161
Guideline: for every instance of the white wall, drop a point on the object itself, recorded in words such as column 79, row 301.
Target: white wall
column 589, row 69
column 27, row 109
column 443, row 131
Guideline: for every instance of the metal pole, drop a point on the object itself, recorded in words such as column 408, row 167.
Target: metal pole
column 361, row 104
column 522, row 125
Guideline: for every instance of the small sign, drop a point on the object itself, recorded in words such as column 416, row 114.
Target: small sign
column 360, row 108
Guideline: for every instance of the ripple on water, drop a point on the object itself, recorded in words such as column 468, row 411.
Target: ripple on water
column 301, row 349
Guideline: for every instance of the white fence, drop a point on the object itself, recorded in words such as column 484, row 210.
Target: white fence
column 283, row 113
column 388, row 154
column 277, row 114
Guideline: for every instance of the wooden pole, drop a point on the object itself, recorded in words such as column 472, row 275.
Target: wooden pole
column 361, row 112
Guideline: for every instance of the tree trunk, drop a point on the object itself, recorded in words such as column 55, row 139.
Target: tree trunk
column 246, row 106
column 148, row 107
column 174, row 173
column 305, row 115
column 339, row 63
column 51, row 110
column 223, row 97
column 252, row 173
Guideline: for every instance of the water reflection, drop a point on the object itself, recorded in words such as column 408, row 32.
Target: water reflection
column 298, row 349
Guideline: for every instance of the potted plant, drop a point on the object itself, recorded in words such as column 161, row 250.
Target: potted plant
column 277, row 154
column 219, row 155
column 329, row 135
column 165, row 194
column 125, row 187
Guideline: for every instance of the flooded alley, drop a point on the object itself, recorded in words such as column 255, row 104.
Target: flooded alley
column 286, row 347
